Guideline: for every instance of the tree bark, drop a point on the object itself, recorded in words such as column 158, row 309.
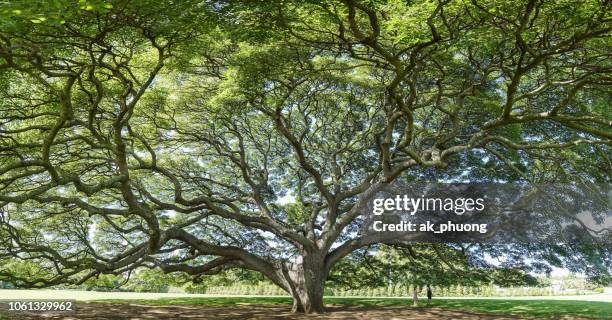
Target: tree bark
column 305, row 282
column 415, row 296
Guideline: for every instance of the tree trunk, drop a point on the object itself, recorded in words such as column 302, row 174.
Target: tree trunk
column 415, row 297
column 305, row 281
column 308, row 299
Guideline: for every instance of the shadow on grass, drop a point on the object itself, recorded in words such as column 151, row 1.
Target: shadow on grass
column 532, row 308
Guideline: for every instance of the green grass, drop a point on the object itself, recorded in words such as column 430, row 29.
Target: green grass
column 551, row 309
column 535, row 308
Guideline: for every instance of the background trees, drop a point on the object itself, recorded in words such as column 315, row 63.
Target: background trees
column 200, row 136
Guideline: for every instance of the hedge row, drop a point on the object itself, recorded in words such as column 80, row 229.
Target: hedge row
column 391, row 291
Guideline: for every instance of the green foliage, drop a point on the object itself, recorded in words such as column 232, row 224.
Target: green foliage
column 415, row 264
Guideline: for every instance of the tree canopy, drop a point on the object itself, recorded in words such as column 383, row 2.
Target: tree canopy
column 197, row 136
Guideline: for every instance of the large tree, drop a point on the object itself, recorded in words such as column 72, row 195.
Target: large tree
column 202, row 136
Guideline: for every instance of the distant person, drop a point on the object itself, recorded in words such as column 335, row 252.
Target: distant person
column 429, row 294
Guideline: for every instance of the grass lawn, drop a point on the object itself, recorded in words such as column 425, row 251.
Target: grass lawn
column 534, row 308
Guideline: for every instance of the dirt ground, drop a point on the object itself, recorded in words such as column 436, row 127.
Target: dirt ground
column 104, row 311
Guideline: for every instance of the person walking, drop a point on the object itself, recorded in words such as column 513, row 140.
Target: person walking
column 429, row 294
